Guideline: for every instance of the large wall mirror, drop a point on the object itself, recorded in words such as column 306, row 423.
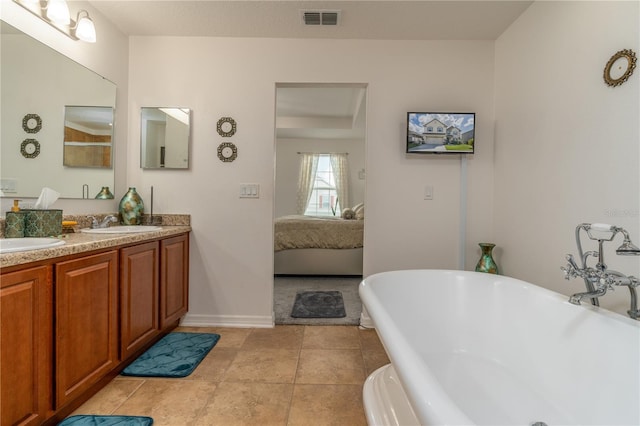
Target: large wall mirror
column 164, row 138
column 38, row 86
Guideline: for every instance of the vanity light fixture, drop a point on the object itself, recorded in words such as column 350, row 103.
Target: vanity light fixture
column 56, row 13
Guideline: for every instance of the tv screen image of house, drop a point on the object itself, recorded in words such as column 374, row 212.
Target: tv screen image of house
column 440, row 133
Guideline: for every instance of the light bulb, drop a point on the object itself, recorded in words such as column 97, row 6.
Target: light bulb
column 85, row 29
column 58, row 12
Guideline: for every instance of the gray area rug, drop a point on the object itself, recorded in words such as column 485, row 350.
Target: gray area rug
column 286, row 288
column 318, row 304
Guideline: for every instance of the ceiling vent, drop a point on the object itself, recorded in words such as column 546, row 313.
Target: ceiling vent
column 320, row 17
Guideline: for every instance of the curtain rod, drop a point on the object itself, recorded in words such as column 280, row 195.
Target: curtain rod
column 323, row 153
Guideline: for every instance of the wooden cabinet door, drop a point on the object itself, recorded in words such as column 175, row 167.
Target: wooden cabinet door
column 139, row 295
column 174, row 279
column 86, row 323
column 26, row 346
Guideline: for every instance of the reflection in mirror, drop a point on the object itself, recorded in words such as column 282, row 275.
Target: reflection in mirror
column 164, row 138
column 38, row 81
column 87, row 136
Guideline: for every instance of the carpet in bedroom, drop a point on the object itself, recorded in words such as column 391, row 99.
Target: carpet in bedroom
column 286, row 287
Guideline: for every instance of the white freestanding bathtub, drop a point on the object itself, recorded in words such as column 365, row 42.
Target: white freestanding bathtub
column 471, row 348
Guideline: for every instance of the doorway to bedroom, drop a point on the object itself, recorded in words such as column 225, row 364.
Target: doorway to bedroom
column 319, row 202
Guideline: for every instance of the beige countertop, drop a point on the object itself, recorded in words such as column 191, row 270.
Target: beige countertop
column 83, row 242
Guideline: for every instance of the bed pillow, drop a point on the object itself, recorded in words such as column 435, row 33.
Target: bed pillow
column 348, row 214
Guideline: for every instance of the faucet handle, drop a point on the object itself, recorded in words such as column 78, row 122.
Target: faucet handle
column 606, row 281
column 94, row 221
column 571, row 270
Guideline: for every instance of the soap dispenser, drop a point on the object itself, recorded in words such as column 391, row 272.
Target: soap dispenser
column 14, row 222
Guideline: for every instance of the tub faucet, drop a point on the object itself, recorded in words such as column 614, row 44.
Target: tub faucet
column 104, row 223
column 600, row 279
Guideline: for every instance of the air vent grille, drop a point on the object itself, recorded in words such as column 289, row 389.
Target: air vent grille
column 320, row 17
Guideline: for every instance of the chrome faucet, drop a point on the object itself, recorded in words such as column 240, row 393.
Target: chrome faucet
column 600, row 279
column 104, row 223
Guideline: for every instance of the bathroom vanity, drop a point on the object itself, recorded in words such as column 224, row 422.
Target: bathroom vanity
column 72, row 317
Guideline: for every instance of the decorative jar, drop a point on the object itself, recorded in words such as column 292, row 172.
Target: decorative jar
column 104, row 194
column 486, row 262
column 131, row 208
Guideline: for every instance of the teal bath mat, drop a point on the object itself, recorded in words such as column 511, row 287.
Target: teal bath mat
column 106, row 421
column 175, row 355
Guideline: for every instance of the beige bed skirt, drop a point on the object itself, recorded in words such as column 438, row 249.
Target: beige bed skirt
column 314, row 261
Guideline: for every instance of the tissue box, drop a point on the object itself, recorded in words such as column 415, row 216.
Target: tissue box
column 14, row 224
column 42, row 223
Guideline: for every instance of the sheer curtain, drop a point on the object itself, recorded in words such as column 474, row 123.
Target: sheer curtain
column 306, row 178
column 340, row 167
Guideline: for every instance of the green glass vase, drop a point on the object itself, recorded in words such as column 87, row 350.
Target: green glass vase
column 486, row 262
column 131, row 208
column 104, row 194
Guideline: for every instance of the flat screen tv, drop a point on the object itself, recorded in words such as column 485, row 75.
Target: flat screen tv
column 440, row 132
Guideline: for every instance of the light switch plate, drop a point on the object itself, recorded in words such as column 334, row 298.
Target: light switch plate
column 428, row 192
column 8, row 185
column 249, row 190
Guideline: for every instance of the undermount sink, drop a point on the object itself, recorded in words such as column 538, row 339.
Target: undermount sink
column 10, row 245
column 128, row 229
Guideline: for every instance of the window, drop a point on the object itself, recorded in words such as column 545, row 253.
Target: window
column 429, row 129
column 324, row 197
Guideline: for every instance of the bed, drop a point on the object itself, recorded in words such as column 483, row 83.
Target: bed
column 310, row 245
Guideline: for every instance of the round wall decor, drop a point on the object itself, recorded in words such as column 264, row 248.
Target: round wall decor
column 620, row 67
column 32, row 123
column 226, row 127
column 30, row 148
column 227, row 152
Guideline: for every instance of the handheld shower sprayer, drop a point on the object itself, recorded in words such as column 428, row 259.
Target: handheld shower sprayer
column 627, row 248
column 599, row 231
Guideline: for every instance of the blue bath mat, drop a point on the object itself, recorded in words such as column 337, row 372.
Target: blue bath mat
column 175, row 355
column 318, row 304
column 106, row 421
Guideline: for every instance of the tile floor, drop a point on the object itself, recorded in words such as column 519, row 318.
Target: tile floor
column 287, row 375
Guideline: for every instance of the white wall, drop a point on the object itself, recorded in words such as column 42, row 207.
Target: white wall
column 231, row 249
column 288, row 168
column 567, row 145
column 107, row 57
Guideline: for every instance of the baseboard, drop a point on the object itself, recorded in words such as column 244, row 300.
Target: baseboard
column 246, row 321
